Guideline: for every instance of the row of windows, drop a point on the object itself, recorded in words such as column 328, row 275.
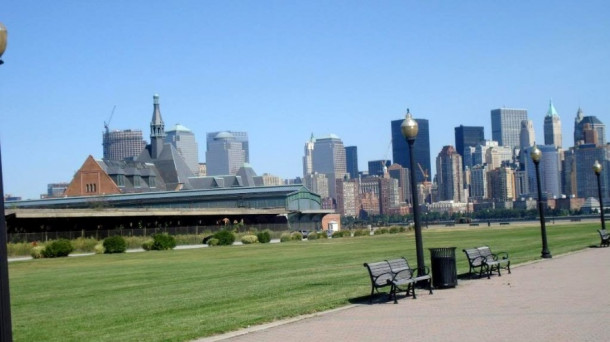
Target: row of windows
column 136, row 181
column 91, row 188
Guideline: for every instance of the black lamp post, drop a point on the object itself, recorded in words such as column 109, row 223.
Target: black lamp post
column 409, row 130
column 536, row 155
column 6, row 331
column 597, row 168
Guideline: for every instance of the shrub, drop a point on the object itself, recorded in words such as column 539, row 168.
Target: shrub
column 147, row 245
column 249, row 239
column 19, row 248
column 337, row 234
column 394, row 230
column 213, row 242
column 58, row 248
column 188, row 239
column 36, row 252
column 225, row 237
column 285, row 237
column 297, row 236
column 402, row 229
column 163, row 242
column 322, row 235
column 362, row 232
column 99, row 248
column 312, row 236
column 264, row 237
column 115, row 244
column 84, row 245
column 379, row 231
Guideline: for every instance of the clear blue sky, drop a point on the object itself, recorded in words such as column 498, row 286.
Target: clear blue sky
column 282, row 70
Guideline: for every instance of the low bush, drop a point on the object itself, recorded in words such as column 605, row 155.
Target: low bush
column 147, row 245
column 342, row 233
column 380, row 231
column 213, row 242
column 20, row 248
column 249, row 239
column 99, row 248
column 162, row 242
column 188, row 239
column 36, row 252
column 312, row 236
column 225, row 237
column 264, row 236
column 322, row 235
column 114, row 244
column 362, row 232
column 84, row 245
column 394, row 230
column 285, row 237
column 58, row 248
column 296, row 236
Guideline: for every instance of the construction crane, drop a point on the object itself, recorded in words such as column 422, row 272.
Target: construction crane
column 107, row 124
column 424, row 173
column 385, row 156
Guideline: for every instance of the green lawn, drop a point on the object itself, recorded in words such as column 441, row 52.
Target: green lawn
column 185, row 294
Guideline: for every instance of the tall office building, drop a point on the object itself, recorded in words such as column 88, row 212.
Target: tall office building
column 591, row 124
column 480, row 152
column 348, row 203
column 527, row 137
column 550, row 172
column 468, row 136
column 224, row 156
column 122, row 144
column 401, row 174
column 329, row 158
column 506, row 125
column 184, row 141
column 478, row 182
column 400, row 148
column 318, row 183
column 308, row 156
column 552, row 127
column 449, row 175
column 241, row 137
column 378, row 167
column 497, row 155
column 501, row 184
column 586, row 180
column 351, row 161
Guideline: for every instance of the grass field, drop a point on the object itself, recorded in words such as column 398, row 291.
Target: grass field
column 181, row 295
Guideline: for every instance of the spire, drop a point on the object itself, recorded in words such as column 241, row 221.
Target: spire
column 552, row 111
column 157, row 129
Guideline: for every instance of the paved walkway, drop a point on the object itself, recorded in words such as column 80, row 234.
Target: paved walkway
column 566, row 298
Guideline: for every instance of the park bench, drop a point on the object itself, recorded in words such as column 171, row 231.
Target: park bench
column 504, row 223
column 485, row 261
column 404, row 275
column 605, row 237
column 395, row 273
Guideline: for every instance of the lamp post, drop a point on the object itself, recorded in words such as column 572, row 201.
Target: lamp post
column 6, row 331
column 409, row 130
column 597, row 168
column 536, row 155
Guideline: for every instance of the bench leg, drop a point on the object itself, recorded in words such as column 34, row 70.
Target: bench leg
column 430, row 285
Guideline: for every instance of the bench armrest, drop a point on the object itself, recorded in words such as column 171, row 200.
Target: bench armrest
column 503, row 255
column 426, row 271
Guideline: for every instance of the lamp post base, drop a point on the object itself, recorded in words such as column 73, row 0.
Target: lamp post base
column 546, row 255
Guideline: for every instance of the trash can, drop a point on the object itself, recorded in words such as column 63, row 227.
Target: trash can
column 444, row 269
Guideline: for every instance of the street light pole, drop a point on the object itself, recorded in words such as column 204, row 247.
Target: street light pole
column 597, row 168
column 536, row 156
column 6, row 330
column 409, row 130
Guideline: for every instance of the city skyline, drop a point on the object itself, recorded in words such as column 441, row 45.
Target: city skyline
column 283, row 70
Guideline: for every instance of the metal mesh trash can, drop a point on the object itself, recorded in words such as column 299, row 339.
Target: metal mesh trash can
column 444, row 269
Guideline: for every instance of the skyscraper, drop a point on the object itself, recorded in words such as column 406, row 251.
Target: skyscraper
column 241, row 137
column 378, row 167
column 506, row 125
column 468, row 136
column 329, row 158
column 550, row 171
column 184, row 141
column 351, row 161
column 449, row 175
column 308, row 156
column 552, row 127
column 581, row 123
column 527, row 137
column 400, row 148
column 224, row 156
column 586, row 183
column 123, row 144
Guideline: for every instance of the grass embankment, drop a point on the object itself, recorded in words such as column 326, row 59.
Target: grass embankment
column 184, row 294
